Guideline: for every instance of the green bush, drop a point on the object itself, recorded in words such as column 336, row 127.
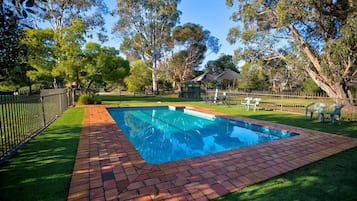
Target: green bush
column 310, row 86
column 96, row 100
column 86, row 99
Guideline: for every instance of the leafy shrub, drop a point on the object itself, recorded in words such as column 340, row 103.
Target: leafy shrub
column 86, row 99
column 310, row 86
column 96, row 100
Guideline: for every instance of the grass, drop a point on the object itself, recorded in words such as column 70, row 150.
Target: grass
column 42, row 169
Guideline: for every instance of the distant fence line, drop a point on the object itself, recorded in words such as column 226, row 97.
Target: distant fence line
column 23, row 116
column 294, row 102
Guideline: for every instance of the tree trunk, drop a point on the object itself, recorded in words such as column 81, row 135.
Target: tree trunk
column 154, row 80
column 333, row 88
column 87, row 88
column 30, row 88
column 55, row 85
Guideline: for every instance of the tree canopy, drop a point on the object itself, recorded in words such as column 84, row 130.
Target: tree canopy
column 103, row 67
column 146, row 28
column 40, row 55
column 319, row 36
column 139, row 78
column 14, row 18
column 222, row 63
column 192, row 42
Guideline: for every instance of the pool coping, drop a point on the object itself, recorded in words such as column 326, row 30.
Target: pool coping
column 108, row 167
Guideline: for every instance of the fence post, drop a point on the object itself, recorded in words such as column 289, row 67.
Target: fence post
column 68, row 98
column 43, row 111
column 281, row 102
column 2, row 135
column 60, row 102
column 73, row 91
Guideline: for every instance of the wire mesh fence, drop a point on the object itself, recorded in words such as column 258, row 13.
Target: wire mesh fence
column 23, row 116
column 286, row 102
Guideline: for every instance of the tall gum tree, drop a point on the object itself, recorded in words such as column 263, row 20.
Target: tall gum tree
column 146, row 28
column 15, row 18
column 192, row 42
column 103, row 67
column 40, row 55
column 320, row 36
column 64, row 15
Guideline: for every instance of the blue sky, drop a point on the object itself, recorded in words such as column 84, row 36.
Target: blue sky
column 213, row 15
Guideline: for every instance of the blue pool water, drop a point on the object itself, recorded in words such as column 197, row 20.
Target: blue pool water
column 163, row 134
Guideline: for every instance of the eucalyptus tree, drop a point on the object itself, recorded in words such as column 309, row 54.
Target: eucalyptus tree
column 103, row 67
column 62, row 13
column 10, row 48
column 283, row 75
column 40, row 55
column 222, row 63
column 64, row 16
column 320, row 36
column 51, row 59
column 146, row 29
column 69, row 54
column 14, row 19
column 255, row 78
column 191, row 42
column 139, row 78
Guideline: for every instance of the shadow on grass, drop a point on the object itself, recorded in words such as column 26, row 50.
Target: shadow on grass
column 330, row 179
column 42, row 169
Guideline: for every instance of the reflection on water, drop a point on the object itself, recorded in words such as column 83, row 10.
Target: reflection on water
column 161, row 135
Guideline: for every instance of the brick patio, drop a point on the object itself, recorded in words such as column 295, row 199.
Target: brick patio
column 107, row 166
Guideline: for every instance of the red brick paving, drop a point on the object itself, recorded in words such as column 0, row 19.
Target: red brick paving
column 107, row 166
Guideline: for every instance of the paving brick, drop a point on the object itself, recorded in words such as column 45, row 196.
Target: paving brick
column 128, row 195
column 143, row 198
column 198, row 195
column 135, row 185
column 148, row 190
column 111, row 194
column 96, row 193
column 219, row 189
column 79, row 188
column 164, row 185
column 110, row 184
column 107, row 176
column 152, row 181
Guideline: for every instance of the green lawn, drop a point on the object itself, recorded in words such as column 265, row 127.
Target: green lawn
column 42, row 169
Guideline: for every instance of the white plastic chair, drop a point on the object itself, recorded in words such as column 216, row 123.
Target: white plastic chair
column 256, row 103
column 247, row 102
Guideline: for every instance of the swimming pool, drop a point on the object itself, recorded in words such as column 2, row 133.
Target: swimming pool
column 164, row 134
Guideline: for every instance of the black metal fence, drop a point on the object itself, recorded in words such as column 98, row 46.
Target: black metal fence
column 23, row 116
column 286, row 102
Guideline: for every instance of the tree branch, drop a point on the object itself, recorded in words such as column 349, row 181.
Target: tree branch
column 348, row 67
column 314, row 60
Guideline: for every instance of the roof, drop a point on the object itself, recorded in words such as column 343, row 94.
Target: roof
column 229, row 75
column 204, row 77
column 226, row 75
